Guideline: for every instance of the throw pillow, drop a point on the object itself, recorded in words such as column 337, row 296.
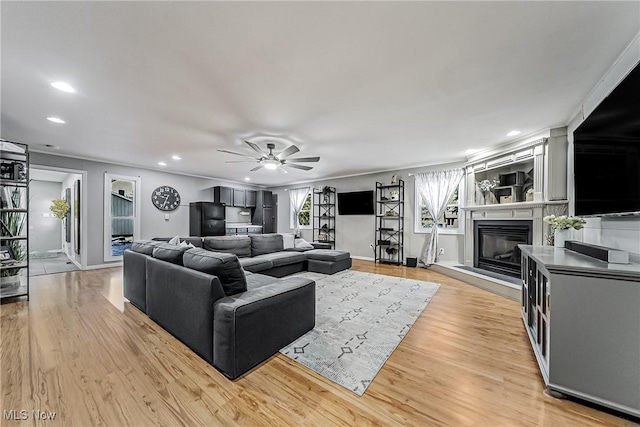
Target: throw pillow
column 184, row 244
column 300, row 243
column 224, row 265
column 289, row 240
column 175, row 241
column 169, row 253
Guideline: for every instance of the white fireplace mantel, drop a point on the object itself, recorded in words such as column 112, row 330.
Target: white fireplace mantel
column 548, row 155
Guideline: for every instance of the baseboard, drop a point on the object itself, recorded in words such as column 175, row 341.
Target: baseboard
column 363, row 258
column 99, row 266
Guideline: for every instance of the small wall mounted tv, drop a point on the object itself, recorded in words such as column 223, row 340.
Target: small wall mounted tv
column 607, row 153
column 356, row 203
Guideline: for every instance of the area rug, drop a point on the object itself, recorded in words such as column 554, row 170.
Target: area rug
column 360, row 320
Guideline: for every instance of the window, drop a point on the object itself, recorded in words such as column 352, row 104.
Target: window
column 451, row 220
column 121, row 214
column 304, row 217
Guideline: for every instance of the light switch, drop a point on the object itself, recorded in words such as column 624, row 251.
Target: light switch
column 166, row 217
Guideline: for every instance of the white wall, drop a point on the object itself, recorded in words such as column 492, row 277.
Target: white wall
column 153, row 223
column 354, row 233
column 44, row 228
column 619, row 233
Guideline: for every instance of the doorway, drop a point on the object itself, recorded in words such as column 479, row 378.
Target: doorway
column 55, row 243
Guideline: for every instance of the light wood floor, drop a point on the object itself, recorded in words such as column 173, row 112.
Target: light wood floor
column 466, row 361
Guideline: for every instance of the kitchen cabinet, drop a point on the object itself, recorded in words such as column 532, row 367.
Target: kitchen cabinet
column 223, row 195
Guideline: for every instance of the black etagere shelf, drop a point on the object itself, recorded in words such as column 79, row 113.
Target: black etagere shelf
column 389, row 246
column 324, row 216
column 14, row 220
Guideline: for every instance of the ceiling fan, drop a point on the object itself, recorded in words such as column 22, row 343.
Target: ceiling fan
column 274, row 161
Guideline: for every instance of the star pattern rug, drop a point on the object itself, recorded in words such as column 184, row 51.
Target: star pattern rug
column 360, row 320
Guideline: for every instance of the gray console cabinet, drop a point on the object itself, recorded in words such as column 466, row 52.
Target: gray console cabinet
column 582, row 317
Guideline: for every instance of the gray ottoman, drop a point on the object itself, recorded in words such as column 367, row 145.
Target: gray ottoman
column 327, row 261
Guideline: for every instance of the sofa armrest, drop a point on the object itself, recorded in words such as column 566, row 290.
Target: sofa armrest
column 252, row 326
column 134, row 281
column 181, row 301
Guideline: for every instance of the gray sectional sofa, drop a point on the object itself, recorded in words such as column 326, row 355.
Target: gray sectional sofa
column 218, row 300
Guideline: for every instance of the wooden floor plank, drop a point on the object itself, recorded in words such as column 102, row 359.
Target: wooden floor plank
column 466, row 361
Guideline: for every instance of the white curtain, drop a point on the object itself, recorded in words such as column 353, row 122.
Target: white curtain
column 297, row 196
column 436, row 189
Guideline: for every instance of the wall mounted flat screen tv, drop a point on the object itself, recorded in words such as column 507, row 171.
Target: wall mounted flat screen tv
column 607, row 153
column 356, row 203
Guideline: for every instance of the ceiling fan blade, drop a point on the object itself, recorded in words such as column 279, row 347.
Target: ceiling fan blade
column 289, row 151
column 304, row 159
column 255, row 148
column 256, row 168
column 237, row 154
column 304, row 168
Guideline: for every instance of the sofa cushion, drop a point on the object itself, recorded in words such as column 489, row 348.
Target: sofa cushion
column 170, row 253
column 327, row 255
column 283, row 258
column 255, row 265
column 224, row 265
column 144, row 246
column 256, row 281
column 266, row 243
column 237, row 245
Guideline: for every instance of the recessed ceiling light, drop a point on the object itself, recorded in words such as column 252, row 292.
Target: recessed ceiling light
column 247, row 178
column 65, row 87
column 55, row 120
column 176, row 157
column 162, row 163
column 514, row 133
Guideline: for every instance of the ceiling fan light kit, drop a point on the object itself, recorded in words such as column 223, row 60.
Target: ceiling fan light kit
column 272, row 161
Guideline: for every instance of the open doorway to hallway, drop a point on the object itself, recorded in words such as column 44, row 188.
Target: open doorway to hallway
column 54, row 243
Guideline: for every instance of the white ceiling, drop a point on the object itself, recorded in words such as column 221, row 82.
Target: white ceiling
column 366, row 86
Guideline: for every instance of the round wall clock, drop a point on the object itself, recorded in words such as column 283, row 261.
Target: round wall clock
column 165, row 198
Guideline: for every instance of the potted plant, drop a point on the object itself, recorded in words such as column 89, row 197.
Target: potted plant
column 561, row 226
column 60, row 208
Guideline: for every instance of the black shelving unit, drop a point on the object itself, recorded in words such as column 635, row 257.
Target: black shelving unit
column 324, row 216
column 389, row 246
column 14, row 220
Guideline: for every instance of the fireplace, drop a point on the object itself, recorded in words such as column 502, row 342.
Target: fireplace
column 496, row 245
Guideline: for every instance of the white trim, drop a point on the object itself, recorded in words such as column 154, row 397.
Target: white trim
column 84, row 249
column 137, row 209
column 106, row 265
column 363, row 258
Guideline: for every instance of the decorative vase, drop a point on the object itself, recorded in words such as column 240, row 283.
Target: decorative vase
column 560, row 236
